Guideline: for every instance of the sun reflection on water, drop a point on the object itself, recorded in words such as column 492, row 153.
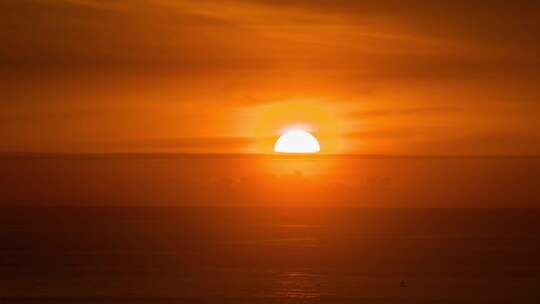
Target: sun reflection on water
column 297, row 285
column 308, row 165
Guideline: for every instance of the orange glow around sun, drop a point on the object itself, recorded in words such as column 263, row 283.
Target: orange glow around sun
column 274, row 120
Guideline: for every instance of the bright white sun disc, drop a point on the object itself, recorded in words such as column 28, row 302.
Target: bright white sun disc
column 297, row 141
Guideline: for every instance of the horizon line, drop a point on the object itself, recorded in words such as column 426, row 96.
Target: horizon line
column 23, row 154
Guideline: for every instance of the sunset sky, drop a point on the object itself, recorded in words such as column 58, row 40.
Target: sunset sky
column 269, row 151
column 228, row 76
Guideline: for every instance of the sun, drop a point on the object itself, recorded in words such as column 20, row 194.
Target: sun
column 297, row 141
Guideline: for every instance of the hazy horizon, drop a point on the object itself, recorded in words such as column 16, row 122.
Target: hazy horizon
column 269, row 180
column 269, row 154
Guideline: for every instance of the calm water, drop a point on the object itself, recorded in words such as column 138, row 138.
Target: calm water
column 220, row 255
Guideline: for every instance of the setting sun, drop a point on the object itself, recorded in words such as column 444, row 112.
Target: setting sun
column 297, row 141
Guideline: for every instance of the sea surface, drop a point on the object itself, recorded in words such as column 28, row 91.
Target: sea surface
column 268, row 255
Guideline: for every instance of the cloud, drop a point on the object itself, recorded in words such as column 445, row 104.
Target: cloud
column 413, row 111
column 266, row 34
column 486, row 143
column 194, row 143
column 94, row 4
column 433, row 140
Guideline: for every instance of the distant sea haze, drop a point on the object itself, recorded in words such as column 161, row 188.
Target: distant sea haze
column 262, row 180
column 268, row 255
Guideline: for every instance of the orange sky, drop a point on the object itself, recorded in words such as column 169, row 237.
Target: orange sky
column 367, row 77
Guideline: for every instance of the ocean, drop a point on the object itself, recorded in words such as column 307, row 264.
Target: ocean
column 268, row 255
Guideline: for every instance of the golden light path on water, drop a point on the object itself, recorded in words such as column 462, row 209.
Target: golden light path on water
column 297, row 285
column 312, row 165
